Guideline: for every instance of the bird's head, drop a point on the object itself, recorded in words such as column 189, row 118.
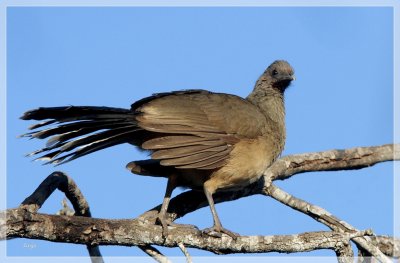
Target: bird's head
column 279, row 74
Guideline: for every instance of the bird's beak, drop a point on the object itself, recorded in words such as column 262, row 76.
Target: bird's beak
column 287, row 78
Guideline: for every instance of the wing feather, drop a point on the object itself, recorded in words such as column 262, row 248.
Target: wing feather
column 170, row 142
column 186, row 151
column 197, row 130
column 209, row 164
column 194, row 158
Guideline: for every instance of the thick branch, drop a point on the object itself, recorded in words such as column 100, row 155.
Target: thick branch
column 83, row 230
column 333, row 160
column 190, row 201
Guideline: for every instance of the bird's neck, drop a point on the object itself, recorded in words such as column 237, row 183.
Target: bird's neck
column 271, row 103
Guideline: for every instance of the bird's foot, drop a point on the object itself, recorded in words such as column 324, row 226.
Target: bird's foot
column 166, row 222
column 217, row 232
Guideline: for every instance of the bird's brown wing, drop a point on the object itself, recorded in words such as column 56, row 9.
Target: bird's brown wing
column 197, row 129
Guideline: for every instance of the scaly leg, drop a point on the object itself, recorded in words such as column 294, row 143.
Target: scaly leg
column 162, row 215
column 217, row 227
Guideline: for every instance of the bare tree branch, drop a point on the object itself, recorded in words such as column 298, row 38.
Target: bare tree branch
column 345, row 253
column 142, row 232
column 83, row 230
column 154, row 253
column 388, row 245
column 288, row 166
column 284, row 168
column 323, row 216
column 61, row 181
column 333, row 160
column 185, row 252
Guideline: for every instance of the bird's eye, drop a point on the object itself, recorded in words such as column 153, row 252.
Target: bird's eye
column 274, row 72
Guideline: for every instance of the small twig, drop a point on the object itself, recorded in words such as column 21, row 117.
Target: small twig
column 154, row 253
column 66, row 210
column 185, row 252
column 323, row 216
column 64, row 183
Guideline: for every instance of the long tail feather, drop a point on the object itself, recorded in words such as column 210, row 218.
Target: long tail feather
column 78, row 131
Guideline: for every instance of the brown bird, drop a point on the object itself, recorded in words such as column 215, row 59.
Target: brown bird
column 198, row 139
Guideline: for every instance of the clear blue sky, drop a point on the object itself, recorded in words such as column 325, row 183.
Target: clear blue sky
column 342, row 98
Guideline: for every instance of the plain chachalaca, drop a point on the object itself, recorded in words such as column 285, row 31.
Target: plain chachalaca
column 197, row 139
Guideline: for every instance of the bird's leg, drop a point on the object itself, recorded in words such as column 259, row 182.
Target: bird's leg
column 217, row 228
column 162, row 215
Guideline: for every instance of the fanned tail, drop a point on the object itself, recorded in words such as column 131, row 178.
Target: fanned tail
column 77, row 131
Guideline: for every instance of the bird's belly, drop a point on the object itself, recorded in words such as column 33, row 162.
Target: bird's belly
column 247, row 162
column 193, row 179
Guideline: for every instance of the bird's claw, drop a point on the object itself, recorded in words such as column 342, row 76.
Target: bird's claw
column 164, row 222
column 217, row 232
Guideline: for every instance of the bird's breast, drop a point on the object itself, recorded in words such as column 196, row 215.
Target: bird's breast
column 246, row 164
